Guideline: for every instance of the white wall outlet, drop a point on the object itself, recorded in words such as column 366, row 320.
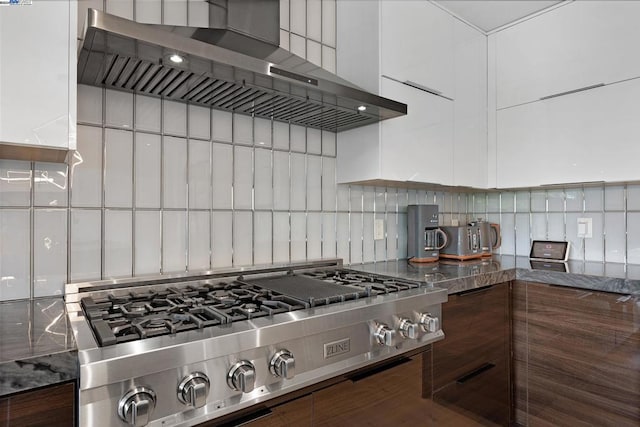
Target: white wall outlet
column 378, row 229
column 455, row 222
column 585, row 228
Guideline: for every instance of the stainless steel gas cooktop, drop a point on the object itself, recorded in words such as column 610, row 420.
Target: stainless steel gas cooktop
column 180, row 350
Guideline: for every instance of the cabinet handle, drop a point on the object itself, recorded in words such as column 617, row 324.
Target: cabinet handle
column 419, row 87
column 475, row 291
column 247, row 419
column 483, row 368
column 572, row 91
column 371, row 372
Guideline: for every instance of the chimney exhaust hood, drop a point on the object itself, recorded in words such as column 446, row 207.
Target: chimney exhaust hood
column 235, row 65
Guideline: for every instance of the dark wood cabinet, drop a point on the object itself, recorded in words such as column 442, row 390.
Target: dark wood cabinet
column 471, row 366
column 388, row 396
column 47, row 407
column 576, row 357
column 383, row 395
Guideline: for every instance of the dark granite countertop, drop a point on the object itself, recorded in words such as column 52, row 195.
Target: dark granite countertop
column 461, row 276
column 36, row 345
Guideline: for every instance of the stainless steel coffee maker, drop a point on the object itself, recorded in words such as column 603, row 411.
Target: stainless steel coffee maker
column 424, row 237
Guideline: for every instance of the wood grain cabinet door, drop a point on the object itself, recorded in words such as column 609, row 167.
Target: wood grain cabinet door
column 577, row 357
column 382, row 398
column 48, row 407
column 471, row 366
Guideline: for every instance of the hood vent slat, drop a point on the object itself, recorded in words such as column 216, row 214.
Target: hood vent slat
column 124, row 55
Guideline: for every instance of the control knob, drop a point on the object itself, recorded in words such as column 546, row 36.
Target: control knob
column 194, row 389
column 283, row 364
column 428, row 322
column 136, row 406
column 408, row 329
column 242, row 376
column 384, row 335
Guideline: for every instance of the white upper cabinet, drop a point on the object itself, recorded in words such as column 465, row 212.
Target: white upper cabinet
column 581, row 44
column 416, row 41
column 38, row 76
column 437, row 66
column 470, row 107
column 417, row 147
column 581, row 137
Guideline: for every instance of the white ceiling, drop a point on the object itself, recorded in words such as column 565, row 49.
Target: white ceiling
column 491, row 14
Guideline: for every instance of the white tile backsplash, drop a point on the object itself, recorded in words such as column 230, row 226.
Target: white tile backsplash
column 221, row 126
column 328, row 235
column 174, row 172
column 281, row 180
column 86, row 168
column 174, row 241
column 50, row 184
column 148, row 113
column 222, row 171
column 633, row 197
column 314, row 19
column 174, row 118
column 242, row 238
column 329, row 22
column 356, row 237
column 242, row 129
column 148, row 149
column 199, row 241
column 148, row 232
column 314, row 183
column 90, row 104
column 281, row 135
column 222, row 239
column 199, row 171
column 85, row 237
column 594, row 247
column 198, row 15
column 15, row 183
column 298, row 236
column 49, row 252
column 614, row 198
column 199, row 122
column 263, row 237
column 281, row 233
column 298, row 184
column 242, row 178
column 15, row 277
column 263, row 179
column 298, row 138
column 118, row 176
column 175, row 12
column 119, row 108
column 314, row 235
column 262, row 132
column 118, row 249
column 615, row 236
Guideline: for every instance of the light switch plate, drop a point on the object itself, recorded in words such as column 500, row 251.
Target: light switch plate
column 378, row 232
column 585, row 228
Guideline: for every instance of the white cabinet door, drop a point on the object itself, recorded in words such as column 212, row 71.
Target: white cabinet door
column 37, row 102
column 416, row 44
column 586, row 136
column 418, row 146
column 574, row 46
column 470, row 107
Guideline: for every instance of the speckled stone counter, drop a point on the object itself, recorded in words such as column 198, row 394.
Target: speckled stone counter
column 462, row 276
column 36, row 345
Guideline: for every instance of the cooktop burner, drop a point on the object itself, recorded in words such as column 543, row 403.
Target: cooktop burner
column 194, row 305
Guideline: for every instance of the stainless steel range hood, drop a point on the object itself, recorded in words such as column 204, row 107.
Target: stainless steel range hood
column 234, row 65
